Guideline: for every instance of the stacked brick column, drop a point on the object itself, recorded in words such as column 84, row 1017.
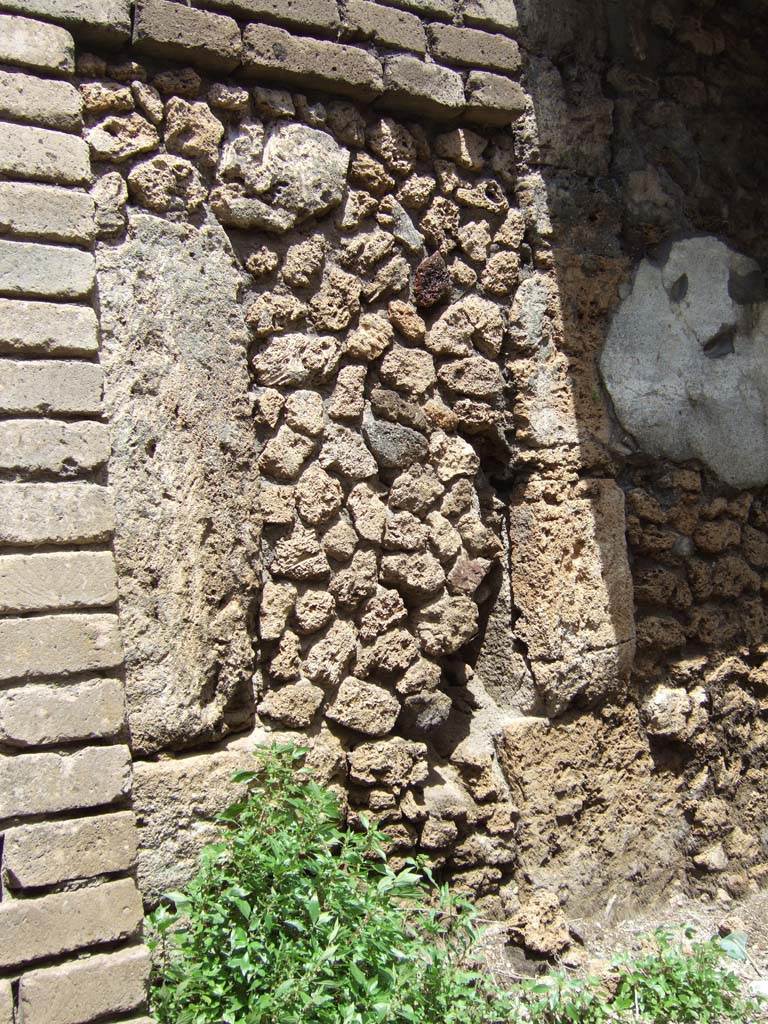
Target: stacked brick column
column 70, row 913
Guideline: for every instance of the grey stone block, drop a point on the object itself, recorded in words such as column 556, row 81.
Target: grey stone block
column 66, row 449
column 45, row 271
column 169, row 30
column 33, row 44
column 45, row 213
column 419, row 88
column 472, row 48
column 87, row 989
column 41, row 715
column 6, row 1003
column 58, row 645
column 47, row 328
column 305, row 15
column 493, row 99
column 386, row 26
column 50, row 386
column 40, row 101
column 104, row 21
column 38, row 154
column 55, row 580
column 496, row 15
column 55, row 514
column 67, row 921
column 426, row 8
column 274, row 54
column 52, row 852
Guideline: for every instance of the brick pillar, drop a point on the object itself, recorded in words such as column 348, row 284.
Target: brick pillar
column 67, row 831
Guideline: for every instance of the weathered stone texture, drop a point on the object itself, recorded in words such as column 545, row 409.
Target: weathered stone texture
column 31, row 447
column 472, row 48
column 387, row 27
column 47, row 328
column 40, row 101
column 58, row 645
column 300, row 14
column 92, row 777
column 48, row 214
column 184, row 476
column 38, row 715
column 67, row 921
column 49, row 853
column 61, row 387
column 419, row 88
column 42, row 582
column 38, row 154
column 6, row 1003
column 45, row 271
column 494, row 100
column 55, row 514
column 163, row 29
column 35, row 44
column 104, row 21
column 113, row 983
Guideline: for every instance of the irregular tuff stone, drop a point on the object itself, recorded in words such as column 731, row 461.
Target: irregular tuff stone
column 467, row 574
column 355, row 209
column 393, row 445
column 340, row 541
column 452, row 456
column 371, row 175
column 666, row 712
column 417, row 576
column 474, row 240
column 293, row 360
column 416, row 490
column 233, row 207
column 540, row 926
column 440, row 224
column 272, row 102
column 384, row 610
column 478, row 538
column 235, row 98
column 241, row 155
column 352, row 585
column 395, row 764
column 110, row 196
column 393, row 407
column 390, row 279
column 478, row 418
column 262, row 262
column 368, row 512
column 463, row 147
column 167, row 183
column 422, row 677
column 299, row 556
column 345, row 452
column 501, row 274
column 118, row 138
column 416, row 191
column 178, row 82
column 285, row 663
column 470, row 323
column 294, row 705
column 106, row 98
column 192, row 130
column 392, row 216
column 274, row 313
column 425, row 712
column 348, row 399
column 444, row 540
column 277, row 601
column 276, row 503
column 431, row 283
column 328, row 660
column 304, row 412
column 149, row 101
column 404, row 532
column 284, row 455
column 313, row 611
column 370, row 339
column 303, row 261
column 408, row 369
column 474, row 376
column 406, row 320
column 337, row 302
column 394, row 145
column 318, row 495
column 444, row 626
column 363, row 707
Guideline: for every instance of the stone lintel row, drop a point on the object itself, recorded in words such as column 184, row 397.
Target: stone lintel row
column 68, row 835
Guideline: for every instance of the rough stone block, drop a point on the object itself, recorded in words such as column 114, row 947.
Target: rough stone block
column 272, row 53
column 51, row 645
column 47, row 328
column 434, row 8
column 415, row 87
column 68, row 921
column 87, row 989
column 473, row 48
column 6, row 1003
column 29, row 447
column 49, row 783
column 40, row 101
column 55, row 514
column 169, row 30
column 46, row 213
column 45, row 271
column 306, row 15
column 103, row 21
column 38, row 154
column 52, row 852
column 495, row 15
column 386, row 26
column 493, row 99
column 33, row 44
column 67, row 579
column 50, row 386
column 41, row 715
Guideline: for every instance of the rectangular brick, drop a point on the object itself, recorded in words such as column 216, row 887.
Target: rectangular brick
column 48, row 783
column 68, row 921
column 274, row 54
column 86, row 989
column 46, row 213
column 496, row 15
column 50, row 386
column 29, row 447
column 104, row 21
column 386, row 26
column 55, row 514
column 47, row 328
column 38, row 154
column 45, row 271
column 56, row 580
column 6, row 995
column 419, row 88
column 171, row 31
column 493, row 99
column 435, row 8
column 53, row 852
column 33, row 44
column 472, row 48
column 40, row 101
column 53, row 645
column 38, row 715
column 305, row 15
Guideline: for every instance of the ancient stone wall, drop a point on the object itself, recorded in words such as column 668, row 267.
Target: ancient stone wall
column 394, row 470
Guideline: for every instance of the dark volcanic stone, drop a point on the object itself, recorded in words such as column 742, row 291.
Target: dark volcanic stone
column 388, row 405
column 431, row 283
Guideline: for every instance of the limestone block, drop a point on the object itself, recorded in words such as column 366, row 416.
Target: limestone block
column 415, row 87
column 498, row 15
column 68, row 921
column 58, row 645
column 34, row 44
column 38, row 154
column 42, row 582
column 45, row 271
column 92, row 777
column 38, row 715
column 40, row 101
column 53, row 446
column 184, row 473
column 103, row 21
column 86, row 989
column 52, row 852
column 47, row 328
column 397, row 29
column 55, row 514
column 272, row 53
column 305, row 16
column 472, row 48
column 493, row 99
column 45, row 213
column 165, row 30
column 46, row 386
